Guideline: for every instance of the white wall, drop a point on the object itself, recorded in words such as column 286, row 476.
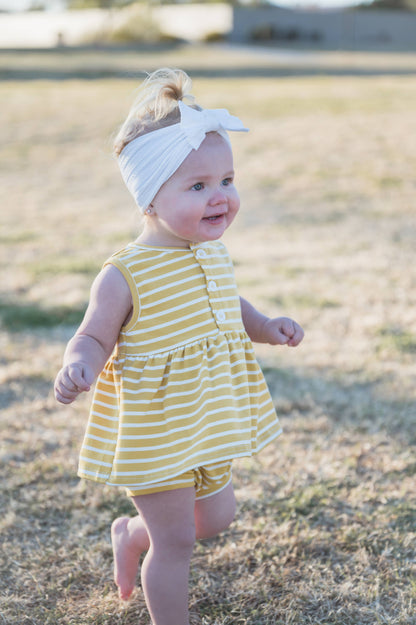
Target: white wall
column 42, row 29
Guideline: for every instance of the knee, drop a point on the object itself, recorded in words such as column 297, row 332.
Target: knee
column 178, row 539
column 227, row 517
column 211, row 524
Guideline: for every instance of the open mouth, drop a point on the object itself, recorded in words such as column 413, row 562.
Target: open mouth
column 214, row 218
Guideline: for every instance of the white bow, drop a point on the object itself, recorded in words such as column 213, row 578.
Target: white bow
column 149, row 160
column 195, row 124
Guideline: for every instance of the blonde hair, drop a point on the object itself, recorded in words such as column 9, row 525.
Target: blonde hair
column 156, row 105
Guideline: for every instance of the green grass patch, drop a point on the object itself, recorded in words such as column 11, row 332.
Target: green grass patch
column 303, row 300
column 12, row 238
column 17, row 317
column 396, row 338
column 63, row 267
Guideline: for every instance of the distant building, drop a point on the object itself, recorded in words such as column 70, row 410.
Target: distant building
column 337, row 28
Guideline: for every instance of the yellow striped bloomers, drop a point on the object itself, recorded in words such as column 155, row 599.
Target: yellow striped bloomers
column 183, row 388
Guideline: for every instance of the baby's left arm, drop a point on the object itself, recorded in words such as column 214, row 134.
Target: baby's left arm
column 263, row 329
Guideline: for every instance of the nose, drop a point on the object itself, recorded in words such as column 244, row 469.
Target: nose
column 218, row 197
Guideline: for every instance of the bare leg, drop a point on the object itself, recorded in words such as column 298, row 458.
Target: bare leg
column 214, row 514
column 129, row 539
column 169, row 520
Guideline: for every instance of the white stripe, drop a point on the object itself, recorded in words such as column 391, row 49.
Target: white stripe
column 179, row 271
column 202, row 381
column 91, row 461
column 218, row 265
column 173, row 372
column 175, row 454
column 172, row 335
column 214, row 300
column 194, row 426
column 154, row 267
column 98, row 450
column 168, row 311
column 189, row 357
column 103, row 476
column 268, row 440
column 240, row 340
column 221, row 276
column 104, row 416
column 201, row 391
column 178, row 320
column 107, row 441
column 106, row 393
column 261, row 419
column 267, row 427
column 194, row 278
column 178, row 464
column 189, row 403
column 162, row 483
column 97, row 426
column 148, row 425
column 181, row 294
column 234, row 321
column 109, row 406
column 199, row 496
column 186, row 382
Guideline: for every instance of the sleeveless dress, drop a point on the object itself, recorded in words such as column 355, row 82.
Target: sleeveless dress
column 183, row 388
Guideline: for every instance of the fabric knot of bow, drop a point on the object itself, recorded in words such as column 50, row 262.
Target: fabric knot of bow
column 195, row 124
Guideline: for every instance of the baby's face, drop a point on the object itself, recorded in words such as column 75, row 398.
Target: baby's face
column 199, row 201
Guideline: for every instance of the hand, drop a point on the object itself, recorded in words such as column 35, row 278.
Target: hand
column 72, row 380
column 283, row 331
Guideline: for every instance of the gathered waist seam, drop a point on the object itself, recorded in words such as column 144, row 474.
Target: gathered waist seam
column 123, row 352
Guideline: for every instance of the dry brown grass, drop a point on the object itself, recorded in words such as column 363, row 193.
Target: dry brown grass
column 325, row 532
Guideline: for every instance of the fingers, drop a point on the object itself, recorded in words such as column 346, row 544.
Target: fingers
column 70, row 382
column 285, row 331
column 295, row 334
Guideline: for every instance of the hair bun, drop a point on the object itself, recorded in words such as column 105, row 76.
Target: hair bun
column 170, row 84
column 173, row 92
column 156, row 104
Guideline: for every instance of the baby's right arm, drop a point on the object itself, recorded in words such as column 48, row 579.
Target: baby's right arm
column 89, row 349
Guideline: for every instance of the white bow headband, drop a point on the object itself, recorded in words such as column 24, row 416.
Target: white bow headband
column 151, row 159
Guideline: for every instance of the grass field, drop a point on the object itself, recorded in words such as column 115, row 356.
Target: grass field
column 325, row 532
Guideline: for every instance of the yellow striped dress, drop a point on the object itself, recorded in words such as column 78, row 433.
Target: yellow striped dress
column 183, row 388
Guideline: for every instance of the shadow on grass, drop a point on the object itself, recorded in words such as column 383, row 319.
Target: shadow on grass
column 16, row 317
column 316, row 551
column 361, row 405
column 30, row 387
column 355, row 401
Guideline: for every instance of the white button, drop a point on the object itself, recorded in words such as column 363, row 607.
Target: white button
column 200, row 253
column 212, row 285
column 221, row 315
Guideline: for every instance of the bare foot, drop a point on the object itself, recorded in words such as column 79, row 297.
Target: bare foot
column 126, row 557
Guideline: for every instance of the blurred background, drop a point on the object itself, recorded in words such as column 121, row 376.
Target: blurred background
column 387, row 24
column 325, row 532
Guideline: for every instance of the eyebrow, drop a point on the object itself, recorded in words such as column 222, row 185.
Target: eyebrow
column 202, row 176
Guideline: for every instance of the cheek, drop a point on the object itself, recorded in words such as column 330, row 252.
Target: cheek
column 235, row 203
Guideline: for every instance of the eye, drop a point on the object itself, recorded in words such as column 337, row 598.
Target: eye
column 226, row 182
column 198, row 186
